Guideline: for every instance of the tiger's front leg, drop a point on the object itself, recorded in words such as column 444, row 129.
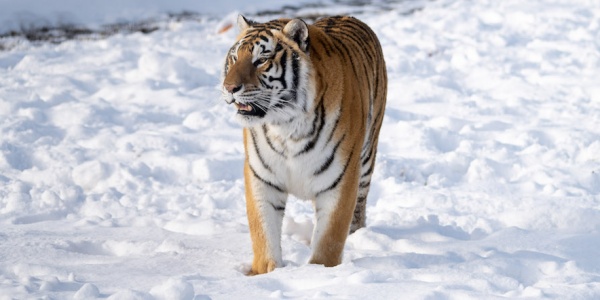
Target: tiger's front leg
column 334, row 210
column 265, row 207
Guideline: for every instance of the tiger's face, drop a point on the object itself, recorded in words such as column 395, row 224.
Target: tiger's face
column 266, row 72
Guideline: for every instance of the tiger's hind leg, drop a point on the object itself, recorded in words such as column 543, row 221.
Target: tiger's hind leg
column 360, row 214
column 360, row 211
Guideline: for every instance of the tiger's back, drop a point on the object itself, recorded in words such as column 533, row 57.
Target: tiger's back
column 316, row 134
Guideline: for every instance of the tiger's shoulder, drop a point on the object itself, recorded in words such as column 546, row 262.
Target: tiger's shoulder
column 346, row 37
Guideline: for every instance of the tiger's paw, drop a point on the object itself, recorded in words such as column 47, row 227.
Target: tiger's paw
column 330, row 261
column 262, row 266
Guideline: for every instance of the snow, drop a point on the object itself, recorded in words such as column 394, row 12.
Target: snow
column 25, row 14
column 121, row 168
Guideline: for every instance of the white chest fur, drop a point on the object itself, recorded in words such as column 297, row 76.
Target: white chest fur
column 302, row 163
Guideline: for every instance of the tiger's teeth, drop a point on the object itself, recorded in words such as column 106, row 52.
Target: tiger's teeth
column 243, row 107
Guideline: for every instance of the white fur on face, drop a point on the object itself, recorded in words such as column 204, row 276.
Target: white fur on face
column 277, row 94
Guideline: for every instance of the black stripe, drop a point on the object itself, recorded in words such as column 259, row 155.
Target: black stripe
column 268, row 183
column 329, row 160
column 295, row 69
column 376, row 121
column 337, row 180
column 335, row 125
column 264, row 83
column 364, row 35
column 296, row 77
column 363, row 185
column 260, row 157
column 281, row 104
column 325, row 47
column 311, row 144
column 368, row 172
column 315, row 55
column 313, row 128
column 283, row 68
column 277, row 207
column 314, row 125
column 361, row 42
column 264, row 127
column 366, row 159
column 360, row 200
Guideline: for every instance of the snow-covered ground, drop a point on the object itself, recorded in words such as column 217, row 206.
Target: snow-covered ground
column 23, row 14
column 121, row 169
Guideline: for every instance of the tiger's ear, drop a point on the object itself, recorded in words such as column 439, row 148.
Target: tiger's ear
column 243, row 23
column 297, row 30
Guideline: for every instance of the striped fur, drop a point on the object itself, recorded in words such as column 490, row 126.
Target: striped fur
column 311, row 99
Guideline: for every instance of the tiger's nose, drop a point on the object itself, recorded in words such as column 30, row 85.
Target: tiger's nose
column 232, row 88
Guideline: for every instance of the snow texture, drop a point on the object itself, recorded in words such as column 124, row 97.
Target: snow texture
column 121, row 169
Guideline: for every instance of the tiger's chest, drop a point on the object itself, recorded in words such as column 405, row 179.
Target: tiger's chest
column 301, row 167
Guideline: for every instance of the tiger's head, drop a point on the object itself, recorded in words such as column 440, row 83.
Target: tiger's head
column 267, row 71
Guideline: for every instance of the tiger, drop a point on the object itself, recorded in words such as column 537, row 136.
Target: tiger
column 311, row 101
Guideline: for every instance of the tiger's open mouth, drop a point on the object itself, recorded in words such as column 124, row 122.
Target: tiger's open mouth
column 249, row 109
column 243, row 108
